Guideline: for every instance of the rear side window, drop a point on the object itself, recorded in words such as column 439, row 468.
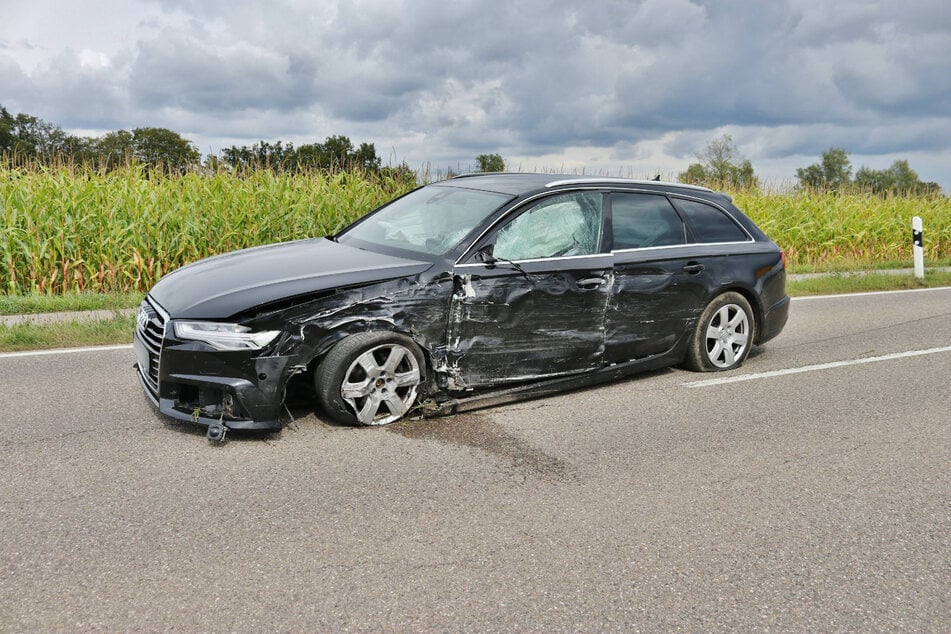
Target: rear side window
column 709, row 224
column 645, row 220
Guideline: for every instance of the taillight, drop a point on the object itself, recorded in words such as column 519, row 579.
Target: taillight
column 782, row 257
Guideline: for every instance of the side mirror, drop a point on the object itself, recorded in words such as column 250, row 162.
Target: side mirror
column 485, row 255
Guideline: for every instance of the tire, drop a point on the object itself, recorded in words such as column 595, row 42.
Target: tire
column 723, row 335
column 371, row 378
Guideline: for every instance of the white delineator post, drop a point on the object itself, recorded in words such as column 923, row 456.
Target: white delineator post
column 919, row 252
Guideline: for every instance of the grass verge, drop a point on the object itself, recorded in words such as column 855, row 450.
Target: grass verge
column 69, row 334
column 37, row 303
column 842, row 283
column 117, row 330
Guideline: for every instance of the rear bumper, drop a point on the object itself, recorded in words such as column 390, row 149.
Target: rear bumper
column 774, row 320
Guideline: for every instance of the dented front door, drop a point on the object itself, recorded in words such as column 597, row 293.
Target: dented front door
column 546, row 319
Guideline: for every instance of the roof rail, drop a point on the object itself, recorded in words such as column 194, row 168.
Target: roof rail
column 471, row 174
column 614, row 179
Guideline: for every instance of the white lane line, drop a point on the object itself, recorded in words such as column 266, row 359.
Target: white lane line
column 38, row 353
column 869, row 293
column 813, row 368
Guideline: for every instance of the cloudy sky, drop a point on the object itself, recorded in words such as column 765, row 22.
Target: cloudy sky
column 627, row 88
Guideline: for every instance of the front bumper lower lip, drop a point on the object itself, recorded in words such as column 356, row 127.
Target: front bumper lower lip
column 166, row 406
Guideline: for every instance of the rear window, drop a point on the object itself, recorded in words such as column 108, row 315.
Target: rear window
column 709, row 224
column 645, row 220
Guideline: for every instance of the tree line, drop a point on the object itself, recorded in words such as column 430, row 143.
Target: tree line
column 26, row 139
column 834, row 172
column 721, row 165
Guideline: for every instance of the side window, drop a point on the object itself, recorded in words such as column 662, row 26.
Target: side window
column 645, row 220
column 709, row 224
column 564, row 225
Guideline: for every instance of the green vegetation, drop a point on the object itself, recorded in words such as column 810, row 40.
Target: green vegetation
column 850, row 283
column 69, row 334
column 824, row 231
column 491, row 163
column 834, row 172
column 26, row 141
column 36, row 303
column 64, row 230
column 336, row 153
column 720, row 166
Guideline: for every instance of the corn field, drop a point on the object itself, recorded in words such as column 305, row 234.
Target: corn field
column 69, row 230
column 836, row 231
column 121, row 231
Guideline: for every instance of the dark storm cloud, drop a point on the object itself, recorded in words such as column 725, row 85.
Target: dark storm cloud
column 527, row 78
column 66, row 90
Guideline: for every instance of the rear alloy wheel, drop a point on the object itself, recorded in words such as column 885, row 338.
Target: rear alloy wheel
column 370, row 378
column 724, row 335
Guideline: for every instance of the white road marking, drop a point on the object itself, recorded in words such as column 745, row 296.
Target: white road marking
column 869, row 293
column 813, row 368
column 38, row 353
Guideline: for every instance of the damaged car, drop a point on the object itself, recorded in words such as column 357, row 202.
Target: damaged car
column 477, row 290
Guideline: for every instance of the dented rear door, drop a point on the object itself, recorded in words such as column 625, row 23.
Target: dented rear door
column 657, row 296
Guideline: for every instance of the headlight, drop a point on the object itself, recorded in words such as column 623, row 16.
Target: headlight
column 224, row 336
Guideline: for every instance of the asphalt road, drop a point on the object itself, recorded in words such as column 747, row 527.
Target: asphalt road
column 809, row 500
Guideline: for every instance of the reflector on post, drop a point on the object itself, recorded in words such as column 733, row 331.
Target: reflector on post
column 918, row 248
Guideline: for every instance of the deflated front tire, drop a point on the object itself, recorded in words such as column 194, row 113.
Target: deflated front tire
column 370, row 378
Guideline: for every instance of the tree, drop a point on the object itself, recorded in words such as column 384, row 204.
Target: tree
column 114, row 149
column 163, row 149
column 6, row 131
column 833, row 172
column 29, row 137
column 491, row 163
column 696, row 173
column 25, row 138
column 720, row 165
column 898, row 178
column 337, row 152
column 366, row 157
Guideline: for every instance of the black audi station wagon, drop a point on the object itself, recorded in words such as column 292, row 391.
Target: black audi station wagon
column 479, row 289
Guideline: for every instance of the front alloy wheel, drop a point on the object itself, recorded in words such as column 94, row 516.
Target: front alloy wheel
column 370, row 378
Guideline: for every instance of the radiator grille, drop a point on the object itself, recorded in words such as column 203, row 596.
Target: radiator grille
column 150, row 326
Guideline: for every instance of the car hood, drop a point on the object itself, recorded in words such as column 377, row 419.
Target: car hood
column 224, row 285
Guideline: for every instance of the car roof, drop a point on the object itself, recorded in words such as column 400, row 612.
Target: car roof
column 516, row 184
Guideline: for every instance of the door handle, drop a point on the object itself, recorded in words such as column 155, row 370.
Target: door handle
column 591, row 282
column 693, row 268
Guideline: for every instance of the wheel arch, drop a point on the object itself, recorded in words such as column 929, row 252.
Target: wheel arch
column 755, row 302
column 328, row 340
